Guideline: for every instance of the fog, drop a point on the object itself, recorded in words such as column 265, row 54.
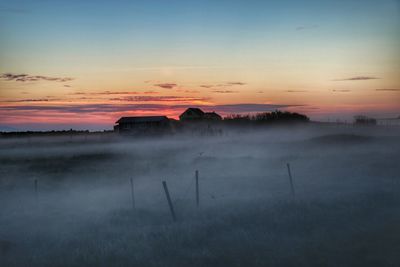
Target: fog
column 345, row 203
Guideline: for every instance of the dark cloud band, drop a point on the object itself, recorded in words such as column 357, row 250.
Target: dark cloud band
column 357, row 78
column 166, row 85
column 32, row 78
column 389, row 90
column 118, row 108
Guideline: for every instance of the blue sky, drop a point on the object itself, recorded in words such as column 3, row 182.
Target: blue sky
column 30, row 28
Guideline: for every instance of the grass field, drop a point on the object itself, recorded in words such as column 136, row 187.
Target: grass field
column 345, row 211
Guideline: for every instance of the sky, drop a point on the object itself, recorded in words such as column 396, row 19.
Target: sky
column 83, row 64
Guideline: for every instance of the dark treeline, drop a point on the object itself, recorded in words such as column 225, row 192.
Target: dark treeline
column 282, row 117
column 50, row 133
column 364, row 120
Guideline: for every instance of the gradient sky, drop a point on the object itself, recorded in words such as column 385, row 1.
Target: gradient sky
column 83, row 64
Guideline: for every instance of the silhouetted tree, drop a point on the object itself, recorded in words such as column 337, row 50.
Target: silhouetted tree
column 280, row 116
column 364, row 120
column 267, row 117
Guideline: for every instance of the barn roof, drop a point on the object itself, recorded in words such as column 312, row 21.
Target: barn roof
column 212, row 114
column 142, row 119
column 196, row 111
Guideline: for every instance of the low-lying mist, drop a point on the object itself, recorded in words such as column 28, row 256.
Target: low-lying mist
column 67, row 201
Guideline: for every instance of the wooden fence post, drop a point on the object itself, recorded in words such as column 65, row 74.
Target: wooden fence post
column 36, row 188
column 171, row 207
column 290, row 179
column 197, row 189
column 132, row 194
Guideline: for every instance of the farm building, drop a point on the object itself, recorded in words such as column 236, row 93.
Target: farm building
column 196, row 114
column 144, row 124
column 192, row 114
column 212, row 116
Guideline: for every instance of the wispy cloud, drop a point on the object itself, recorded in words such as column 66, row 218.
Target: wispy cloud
column 166, row 85
column 296, row 91
column 32, row 78
column 192, row 91
column 150, row 92
column 224, row 91
column 358, row 78
column 235, row 83
column 388, row 89
column 301, row 28
column 341, row 90
column 115, row 93
column 29, row 100
column 225, row 84
column 105, row 93
column 160, row 99
column 187, row 91
column 78, row 93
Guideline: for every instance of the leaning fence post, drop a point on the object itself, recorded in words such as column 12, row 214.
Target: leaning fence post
column 197, row 189
column 171, row 207
column 290, row 179
column 36, row 188
column 132, row 194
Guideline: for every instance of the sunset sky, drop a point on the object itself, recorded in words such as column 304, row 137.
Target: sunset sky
column 83, row 64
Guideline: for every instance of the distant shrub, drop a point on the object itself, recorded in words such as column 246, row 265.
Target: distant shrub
column 268, row 117
column 281, row 116
column 364, row 120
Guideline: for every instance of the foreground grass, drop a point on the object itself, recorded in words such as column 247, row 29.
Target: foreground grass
column 345, row 212
column 359, row 231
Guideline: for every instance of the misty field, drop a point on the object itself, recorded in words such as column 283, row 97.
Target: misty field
column 345, row 210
